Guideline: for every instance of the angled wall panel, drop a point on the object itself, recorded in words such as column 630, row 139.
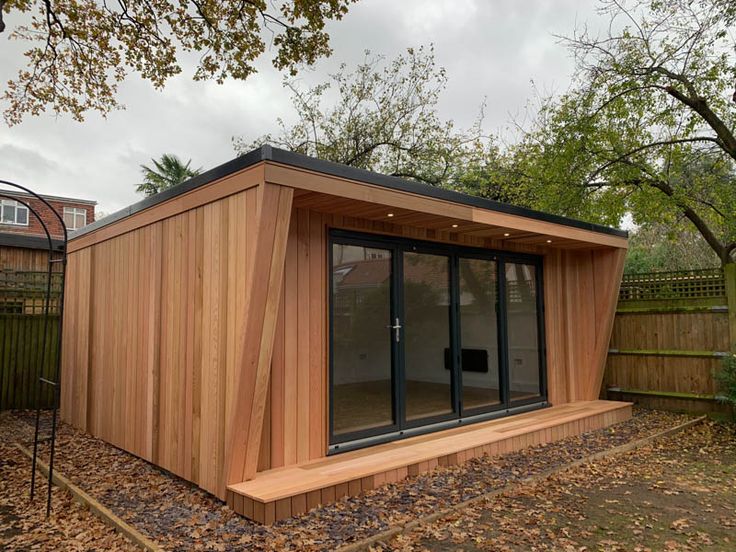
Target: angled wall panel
column 150, row 352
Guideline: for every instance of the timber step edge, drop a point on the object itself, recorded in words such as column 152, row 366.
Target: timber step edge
column 289, row 491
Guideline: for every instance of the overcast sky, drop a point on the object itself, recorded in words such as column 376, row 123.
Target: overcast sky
column 490, row 48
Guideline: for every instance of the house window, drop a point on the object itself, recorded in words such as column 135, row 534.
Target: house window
column 13, row 212
column 75, row 218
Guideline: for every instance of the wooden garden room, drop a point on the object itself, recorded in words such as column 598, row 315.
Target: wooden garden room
column 284, row 331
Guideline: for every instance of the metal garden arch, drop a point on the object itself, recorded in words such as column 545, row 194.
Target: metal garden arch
column 56, row 256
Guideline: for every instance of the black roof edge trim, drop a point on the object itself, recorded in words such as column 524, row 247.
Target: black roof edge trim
column 221, row 171
column 270, row 153
column 28, row 242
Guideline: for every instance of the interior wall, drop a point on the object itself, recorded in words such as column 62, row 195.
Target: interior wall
column 475, row 336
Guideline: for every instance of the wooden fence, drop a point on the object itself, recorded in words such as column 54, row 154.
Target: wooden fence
column 22, row 355
column 671, row 332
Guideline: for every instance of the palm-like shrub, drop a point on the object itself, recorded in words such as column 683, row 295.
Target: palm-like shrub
column 169, row 171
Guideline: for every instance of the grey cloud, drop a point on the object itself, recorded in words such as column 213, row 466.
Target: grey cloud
column 491, row 49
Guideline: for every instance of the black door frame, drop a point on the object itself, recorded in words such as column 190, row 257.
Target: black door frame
column 350, row 239
column 484, row 255
column 400, row 428
column 423, row 248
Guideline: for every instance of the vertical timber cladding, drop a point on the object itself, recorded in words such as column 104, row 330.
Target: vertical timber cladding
column 296, row 430
column 264, row 285
column 149, row 361
column 581, row 292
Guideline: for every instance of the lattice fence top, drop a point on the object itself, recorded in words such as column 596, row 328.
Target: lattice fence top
column 685, row 284
column 25, row 292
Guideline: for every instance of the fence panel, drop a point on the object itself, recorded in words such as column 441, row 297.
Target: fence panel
column 21, row 339
column 683, row 330
column 22, row 323
column 687, row 284
column 669, row 336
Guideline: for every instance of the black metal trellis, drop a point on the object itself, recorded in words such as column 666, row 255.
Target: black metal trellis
column 57, row 255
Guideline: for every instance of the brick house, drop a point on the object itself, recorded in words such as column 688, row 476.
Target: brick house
column 23, row 242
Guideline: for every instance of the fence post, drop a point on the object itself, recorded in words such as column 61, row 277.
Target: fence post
column 729, row 277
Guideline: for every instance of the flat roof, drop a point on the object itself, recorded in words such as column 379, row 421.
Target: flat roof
column 297, row 160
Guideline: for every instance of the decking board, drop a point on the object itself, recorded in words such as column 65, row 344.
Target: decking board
column 296, row 489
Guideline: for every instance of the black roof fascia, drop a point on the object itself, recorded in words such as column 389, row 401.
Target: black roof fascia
column 23, row 241
column 277, row 155
column 221, row 171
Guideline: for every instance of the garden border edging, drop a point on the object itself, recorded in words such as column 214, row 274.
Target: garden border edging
column 102, row 512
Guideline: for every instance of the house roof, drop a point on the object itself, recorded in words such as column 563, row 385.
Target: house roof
column 24, row 241
column 284, row 157
column 15, row 193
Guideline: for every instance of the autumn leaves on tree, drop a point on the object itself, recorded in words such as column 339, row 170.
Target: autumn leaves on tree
column 79, row 51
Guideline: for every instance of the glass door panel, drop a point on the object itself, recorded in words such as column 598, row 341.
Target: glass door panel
column 478, row 306
column 362, row 352
column 426, row 322
column 424, row 334
column 523, row 331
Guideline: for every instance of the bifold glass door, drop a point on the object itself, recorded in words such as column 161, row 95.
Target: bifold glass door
column 523, row 323
column 362, row 382
column 425, row 334
column 480, row 355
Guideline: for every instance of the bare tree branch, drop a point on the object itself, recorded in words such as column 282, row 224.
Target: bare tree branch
column 700, row 106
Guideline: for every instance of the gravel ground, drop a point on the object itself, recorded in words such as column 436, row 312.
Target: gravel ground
column 178, row 516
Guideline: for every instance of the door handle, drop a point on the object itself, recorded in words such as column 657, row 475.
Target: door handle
column 396, row 327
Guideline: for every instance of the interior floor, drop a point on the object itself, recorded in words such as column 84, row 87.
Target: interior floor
column 365, row 405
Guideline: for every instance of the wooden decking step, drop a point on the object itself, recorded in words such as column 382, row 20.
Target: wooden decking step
column 283, row 492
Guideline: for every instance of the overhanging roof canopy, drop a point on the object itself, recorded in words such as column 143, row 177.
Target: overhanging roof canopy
column 335, row 188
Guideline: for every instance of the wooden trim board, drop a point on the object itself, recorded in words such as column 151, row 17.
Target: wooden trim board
column 343, row 188
column 94, row 506
column 264, row 284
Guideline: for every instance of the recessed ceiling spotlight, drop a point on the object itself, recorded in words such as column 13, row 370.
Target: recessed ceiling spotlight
column 506, row 234
column 454, row 225
column 390, row 215
column 549, row 241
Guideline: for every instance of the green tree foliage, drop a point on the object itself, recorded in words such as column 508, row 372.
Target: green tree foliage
column 661, row 247
column 726, row 381
column 168, row 171
column 80, row 50
column 382, row 116
column 648, row 126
